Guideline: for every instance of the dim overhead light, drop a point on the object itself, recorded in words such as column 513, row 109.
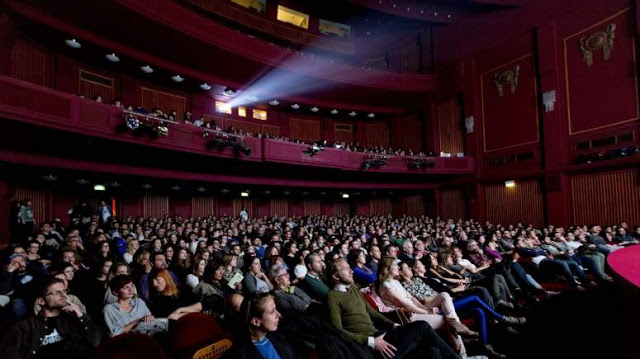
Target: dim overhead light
column 99, row 187
column 50, row 178
column 112, row 57
column 201, row 189
column 82, row 181
column 146, row 186
column 345, row 195
column 315, row 109
column 177, row 78
column 146, row 69
column 352, row 114
column 274, row 102
column 334, row 112
column 229, row 92
column 244, row 194
column 205, row 86
column 509, row 184
column 73, row 43
column 371, row 115
column 176, row 188
column 295, row 106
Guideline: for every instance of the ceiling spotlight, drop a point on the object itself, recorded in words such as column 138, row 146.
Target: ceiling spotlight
column 352, row 114
column 99, row 187
column 229, row 92
column 286, row 193
column 244, row 194
column 224, row 190
column 50, row 178
column 371, row 115
column 305, row 193
column 345, row 195
column 449, row 16
column 176, row 188
column 266, row 192
column 334, row 112
column 112, row 57
column 146, row 186
column 82, row 181
column 146, row 69
column 73, row 43
column 201, row 189
column 177, row 78
column 314, row 109
column 114, row 184
column 295, row 106
column 205, row 86
column 274, row 102
column 435, row 14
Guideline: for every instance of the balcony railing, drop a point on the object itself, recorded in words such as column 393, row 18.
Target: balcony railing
column 26, row 102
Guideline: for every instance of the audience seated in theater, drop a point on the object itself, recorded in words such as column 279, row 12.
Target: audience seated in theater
column 255, row 281
column 362, row 274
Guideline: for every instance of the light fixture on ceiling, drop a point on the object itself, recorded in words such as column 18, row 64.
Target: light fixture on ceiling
column 286, row 193
column 146, row 186
column 176, row 188
column 295, row 106
column 82, row 181
column 229, row 92
column 244, row 194
column 114, row 184
column 205, row 86
column 112, row 57
column 274, row 102
column 305, row 193
column 224, row 190
column 345, row 195
column 252, row 98
column 315, row 109
column 449, row 16
column 146, row 69
column 99, row 187
column 509, row 184
column 266, row 192
column 177, row 78
column 352, row 114
column 201, row 189
column 435, row 14
column 371, row 115
column 323, row 193
column 334, row 112
column 50, row 178
column 73, row 43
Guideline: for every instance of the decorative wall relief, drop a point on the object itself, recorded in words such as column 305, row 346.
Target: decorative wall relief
column 507, row 78
column 601, row 40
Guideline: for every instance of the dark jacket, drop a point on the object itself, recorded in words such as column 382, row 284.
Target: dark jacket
column 24, row 338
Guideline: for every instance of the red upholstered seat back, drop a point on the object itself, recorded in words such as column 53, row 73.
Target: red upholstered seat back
column 192, row 332
column 130, row 346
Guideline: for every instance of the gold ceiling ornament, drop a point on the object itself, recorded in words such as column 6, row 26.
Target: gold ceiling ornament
column 596, row 41
column 507, row 78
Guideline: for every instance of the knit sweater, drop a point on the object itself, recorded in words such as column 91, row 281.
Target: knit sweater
column 353, row 316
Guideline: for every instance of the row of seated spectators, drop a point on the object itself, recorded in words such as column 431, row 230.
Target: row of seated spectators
column 303, row 279
column 172, row 116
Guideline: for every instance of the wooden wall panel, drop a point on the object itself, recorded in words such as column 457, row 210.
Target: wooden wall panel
column 280, row 207
column 377, row 134
column 31, row 63
column 341, row 209
column 343, row 132
column 522, row 203
column 271, row 129
column 453, row 204
column 415, row 205
column 606, row 198
column 306, row 130
column 312, row 207
column 92, row 84
column 39, row 202
column 380, row 206
column 166, row 101
column 242, row 125
column 155, row 206
column 203, row 206
column 449, row 117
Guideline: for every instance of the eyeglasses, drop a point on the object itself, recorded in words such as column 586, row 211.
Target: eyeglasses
column 56, row 293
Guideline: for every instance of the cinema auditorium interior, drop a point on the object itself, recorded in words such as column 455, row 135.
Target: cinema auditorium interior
column 310, row 179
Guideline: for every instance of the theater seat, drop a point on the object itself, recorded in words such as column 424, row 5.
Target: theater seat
column 193, row 332
column 130, row 346
column 213, row 351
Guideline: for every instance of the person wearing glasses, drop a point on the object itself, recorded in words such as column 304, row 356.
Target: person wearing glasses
column 60, row 330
